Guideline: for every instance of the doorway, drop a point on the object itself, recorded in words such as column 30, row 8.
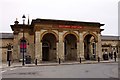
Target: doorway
column 45, row 51
column 89, row 47
column 49, row 47
column 70, row 47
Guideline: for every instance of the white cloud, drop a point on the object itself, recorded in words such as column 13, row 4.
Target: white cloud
column 104, row 11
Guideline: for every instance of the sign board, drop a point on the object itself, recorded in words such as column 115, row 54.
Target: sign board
column 73, row 27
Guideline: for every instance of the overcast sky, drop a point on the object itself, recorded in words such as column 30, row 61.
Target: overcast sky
column 103, row 11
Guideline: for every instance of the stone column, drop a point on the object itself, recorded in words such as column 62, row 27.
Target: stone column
column 81, row 41
column 90, row 50
column 98, row 47
column 16, row 50
column 57, row 56
column 78, row 51
column 38, row 46
column 61, row 46
column 96, row 50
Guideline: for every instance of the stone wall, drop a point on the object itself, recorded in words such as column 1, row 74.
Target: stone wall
column 3, row 47
column 31, row 46
column 110, row 46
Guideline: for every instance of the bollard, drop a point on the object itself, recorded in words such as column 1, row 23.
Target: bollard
column 35, row 61
column 115, row 59
column 80, row 59
column 59, row 60
column 8, row 62
column 98, row 59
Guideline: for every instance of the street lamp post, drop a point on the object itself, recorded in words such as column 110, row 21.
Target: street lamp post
column 23, row 39
column 9, row 54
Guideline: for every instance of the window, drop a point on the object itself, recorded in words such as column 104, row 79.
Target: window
column 102, row 50
column 23, row 46
column 94, row 47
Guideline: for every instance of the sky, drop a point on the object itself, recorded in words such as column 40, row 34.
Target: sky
column 103, row 11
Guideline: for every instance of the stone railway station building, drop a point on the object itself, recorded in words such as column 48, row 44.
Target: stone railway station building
column 49, row 40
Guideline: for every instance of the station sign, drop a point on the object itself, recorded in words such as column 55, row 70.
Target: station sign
column 73, row 27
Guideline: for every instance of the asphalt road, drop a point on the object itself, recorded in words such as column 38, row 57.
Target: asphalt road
column 101, row 70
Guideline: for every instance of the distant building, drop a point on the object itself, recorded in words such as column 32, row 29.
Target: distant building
column 110, row 44
column 49, row 40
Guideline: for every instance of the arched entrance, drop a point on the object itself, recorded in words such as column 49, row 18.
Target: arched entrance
column 49, row 47
column 45, row 51
column 23, row 48
column 70, row 47
column 89, row 47
column 9, row 52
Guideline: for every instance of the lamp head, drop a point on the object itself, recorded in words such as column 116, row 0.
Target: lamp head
column 23, row 17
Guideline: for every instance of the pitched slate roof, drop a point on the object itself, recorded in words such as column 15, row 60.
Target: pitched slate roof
column 6, row 35
column 103, row 37
column 64, row 22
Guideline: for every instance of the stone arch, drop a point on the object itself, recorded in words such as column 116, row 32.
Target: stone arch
column 91, row 33
column 70, row 46
column 90, row 39
column 20, row 47
column 22, row 39
column 49, row 46
column 52, row 32
column 76, row 35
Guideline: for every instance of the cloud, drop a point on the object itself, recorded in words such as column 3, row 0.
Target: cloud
column 103, row 11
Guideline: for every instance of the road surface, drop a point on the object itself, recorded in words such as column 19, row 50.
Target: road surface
column 100, row 70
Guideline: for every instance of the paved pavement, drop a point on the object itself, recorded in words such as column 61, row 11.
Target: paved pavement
column 105, row 69
column 101, row 70
column 19, row 64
